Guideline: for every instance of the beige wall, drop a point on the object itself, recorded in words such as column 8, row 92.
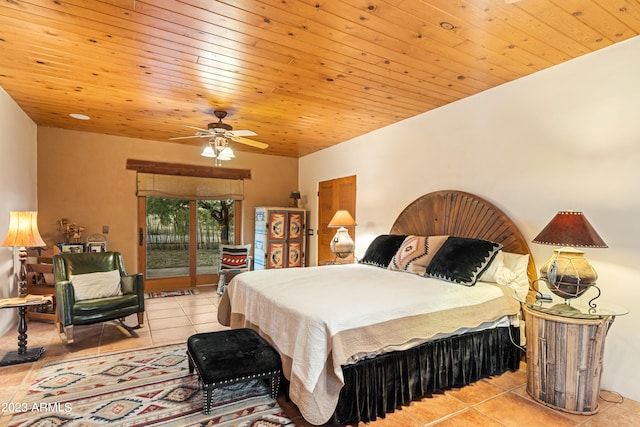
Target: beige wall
column 82, row 177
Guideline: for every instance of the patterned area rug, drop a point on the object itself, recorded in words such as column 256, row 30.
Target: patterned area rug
column 170, row 293
column 150, row 387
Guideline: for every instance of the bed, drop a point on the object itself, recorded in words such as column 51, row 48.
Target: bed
column 359, row 341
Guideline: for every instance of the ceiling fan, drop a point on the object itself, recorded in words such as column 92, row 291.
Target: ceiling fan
column 220, row 129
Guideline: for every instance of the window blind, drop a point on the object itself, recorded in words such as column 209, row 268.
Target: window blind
column 189, row 187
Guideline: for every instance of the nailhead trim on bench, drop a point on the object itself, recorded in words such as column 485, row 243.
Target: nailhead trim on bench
column 274, row 375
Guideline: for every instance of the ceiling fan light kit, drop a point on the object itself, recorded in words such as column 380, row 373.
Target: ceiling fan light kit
column 226, row 154
column 208, row 152
column 218, row 148
column 219, row 134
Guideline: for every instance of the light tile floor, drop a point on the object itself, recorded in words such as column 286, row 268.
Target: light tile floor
column 498, row 401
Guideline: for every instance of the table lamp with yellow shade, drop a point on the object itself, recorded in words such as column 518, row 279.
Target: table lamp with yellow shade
column 23, row 233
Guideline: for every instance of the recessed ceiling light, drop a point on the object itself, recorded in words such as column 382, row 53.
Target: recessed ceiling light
column 80, row 116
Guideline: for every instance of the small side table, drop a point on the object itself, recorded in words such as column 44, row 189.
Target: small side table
column 23, row 355
column 565, row 349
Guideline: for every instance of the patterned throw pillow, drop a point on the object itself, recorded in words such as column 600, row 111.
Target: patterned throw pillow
column 233, row 258
column 415, row 253
column 462, row 260
column 382, row 249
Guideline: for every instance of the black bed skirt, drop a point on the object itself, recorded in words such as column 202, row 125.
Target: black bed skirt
column 377, row 386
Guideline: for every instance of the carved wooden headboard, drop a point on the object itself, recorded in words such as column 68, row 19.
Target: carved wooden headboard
column 457, row 213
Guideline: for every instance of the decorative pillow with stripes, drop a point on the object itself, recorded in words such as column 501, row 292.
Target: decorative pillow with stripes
column 233, row 258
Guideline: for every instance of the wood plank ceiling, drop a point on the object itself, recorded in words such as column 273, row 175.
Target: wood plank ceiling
column 303, row 74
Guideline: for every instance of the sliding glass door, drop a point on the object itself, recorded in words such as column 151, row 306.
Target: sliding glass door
column 179, row 240
column 167, row 238
column 215, row 225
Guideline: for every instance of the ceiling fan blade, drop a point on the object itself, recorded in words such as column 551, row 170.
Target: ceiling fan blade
column 187, row 137
column 193, row 127
column 250, row 142
column 239, row 133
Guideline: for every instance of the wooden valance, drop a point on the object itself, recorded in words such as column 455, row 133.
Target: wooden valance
column 180, row 169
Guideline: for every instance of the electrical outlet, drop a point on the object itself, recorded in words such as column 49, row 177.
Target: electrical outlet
column 105, row 229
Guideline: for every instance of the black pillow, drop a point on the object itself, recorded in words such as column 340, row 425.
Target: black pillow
column 462, row 260
column 382, row 249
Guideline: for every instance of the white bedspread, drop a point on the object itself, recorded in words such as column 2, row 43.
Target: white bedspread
column 320, row 318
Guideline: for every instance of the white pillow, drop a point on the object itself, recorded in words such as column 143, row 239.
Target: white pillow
column 497, row 272
column 96, row 285
column 519, row 264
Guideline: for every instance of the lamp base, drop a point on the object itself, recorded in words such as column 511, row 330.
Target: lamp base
column 568, row 290
column 342, row 254
column 23, row 355
column 568, row 273
column 342, row 245
column 15, row 357
column 22, row 279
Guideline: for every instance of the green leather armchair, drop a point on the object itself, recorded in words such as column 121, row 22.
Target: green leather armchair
column 94, row 310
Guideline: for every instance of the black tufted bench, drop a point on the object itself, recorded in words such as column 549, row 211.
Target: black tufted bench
column 226, row 357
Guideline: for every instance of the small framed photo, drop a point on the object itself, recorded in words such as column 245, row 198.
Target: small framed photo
column 71, row 248
column 96, row 246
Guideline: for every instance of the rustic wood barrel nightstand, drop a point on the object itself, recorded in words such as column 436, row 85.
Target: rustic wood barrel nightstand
column 565, row 349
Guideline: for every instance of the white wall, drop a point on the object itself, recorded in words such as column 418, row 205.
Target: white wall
column 17, row 188
column 564, row 138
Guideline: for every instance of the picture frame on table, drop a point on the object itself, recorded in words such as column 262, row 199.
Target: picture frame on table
column 71, row 248
column 96, row 246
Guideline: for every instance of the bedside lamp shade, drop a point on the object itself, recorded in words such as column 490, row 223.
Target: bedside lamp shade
column 569, row 228
column 568, row 271
column 23, row 232
column 342, row 218
column 342, row 245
